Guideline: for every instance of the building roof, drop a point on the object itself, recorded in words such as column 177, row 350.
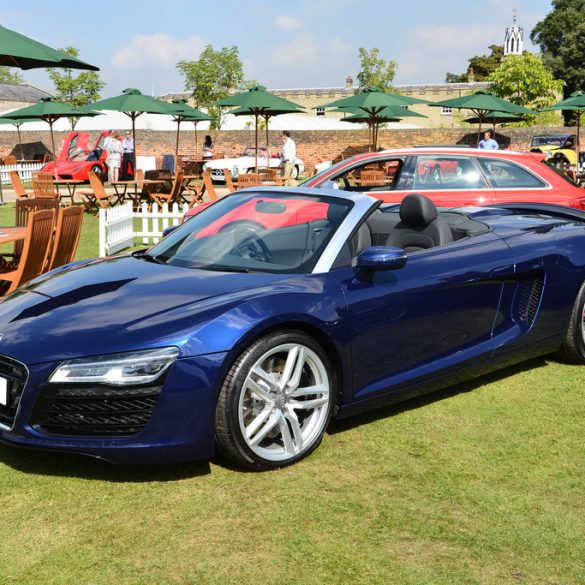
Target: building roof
column 22, row 92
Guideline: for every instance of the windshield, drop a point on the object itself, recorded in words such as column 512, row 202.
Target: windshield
column 549, row 139
column 280, row 232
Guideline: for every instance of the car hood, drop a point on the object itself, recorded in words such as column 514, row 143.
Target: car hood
column 224, row 163
column 115, row 305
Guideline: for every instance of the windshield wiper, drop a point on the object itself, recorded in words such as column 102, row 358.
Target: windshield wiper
column 148, row 257
column 219, row 268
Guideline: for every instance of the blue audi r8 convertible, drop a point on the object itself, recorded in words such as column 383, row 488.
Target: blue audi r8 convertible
column 271, row 311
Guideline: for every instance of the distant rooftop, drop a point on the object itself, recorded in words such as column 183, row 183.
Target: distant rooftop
column 351, row 89
column 23, row 92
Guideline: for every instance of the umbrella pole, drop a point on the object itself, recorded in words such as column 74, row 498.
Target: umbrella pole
column 20, row 142
column 50, row 121
column 267, row 143
column 177, row 143
column 256, row 138
column 196, row 147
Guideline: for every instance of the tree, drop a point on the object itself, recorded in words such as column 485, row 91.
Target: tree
column 561, row 38
column 214, row 76
column 10, row 77
column 525, row 80
column 375, row 71
column 77, row 90
column 482, row 66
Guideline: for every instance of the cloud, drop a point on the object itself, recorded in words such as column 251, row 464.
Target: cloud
column 156, row 50
column 430, row 52
column 287, row 22
column 337, row 47
column 302, row 50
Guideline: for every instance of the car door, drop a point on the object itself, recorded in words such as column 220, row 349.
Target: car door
column 433, row 315
column 512, row 182
column 450, row 180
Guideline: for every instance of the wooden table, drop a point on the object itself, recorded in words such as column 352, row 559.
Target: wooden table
column 121, row 188
column 71, row 185
column 11, row 234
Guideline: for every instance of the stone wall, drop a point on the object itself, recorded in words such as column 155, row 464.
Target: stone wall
column 312, row 146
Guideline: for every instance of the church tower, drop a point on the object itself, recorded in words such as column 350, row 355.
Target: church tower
column 513, row 42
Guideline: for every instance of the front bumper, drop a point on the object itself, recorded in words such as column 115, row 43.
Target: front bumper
column 179, row 426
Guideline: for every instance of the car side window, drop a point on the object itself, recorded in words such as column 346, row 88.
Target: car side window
column 379, row 175
column 447, row 172
column 505, row 174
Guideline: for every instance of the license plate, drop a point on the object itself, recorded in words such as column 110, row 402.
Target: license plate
column 3, row 391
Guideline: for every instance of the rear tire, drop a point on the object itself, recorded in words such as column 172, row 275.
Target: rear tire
column 275, row 402
column 573, row 348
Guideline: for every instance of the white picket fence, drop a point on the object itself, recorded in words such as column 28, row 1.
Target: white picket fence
column 120, row 225
column 25, row 170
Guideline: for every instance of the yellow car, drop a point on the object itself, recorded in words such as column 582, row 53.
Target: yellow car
column 558, row 147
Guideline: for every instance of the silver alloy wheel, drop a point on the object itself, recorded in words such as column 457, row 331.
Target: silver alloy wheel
column 583, row 324
column 284, row 403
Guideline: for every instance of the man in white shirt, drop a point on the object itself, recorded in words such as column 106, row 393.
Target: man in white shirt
column 289, row 154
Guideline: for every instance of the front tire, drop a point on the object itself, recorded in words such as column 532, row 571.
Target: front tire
column 573, row 348
column 275, row 402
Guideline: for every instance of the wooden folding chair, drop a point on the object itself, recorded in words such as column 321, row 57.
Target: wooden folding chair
column 35, row 251
column 18, row 185
column 9, row 159
column 96, row 197
column 9, row 260
column 43, row 185
column 174, row 195
column 197, row 195
column 66, row 237
column 229, row 180
column 370, row 178
column 249, row 180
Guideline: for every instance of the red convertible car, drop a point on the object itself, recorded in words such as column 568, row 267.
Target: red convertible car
column 77, row 158
column 453, row 177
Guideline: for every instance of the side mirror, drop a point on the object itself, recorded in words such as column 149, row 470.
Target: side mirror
column 381, row 258
column 169, row 230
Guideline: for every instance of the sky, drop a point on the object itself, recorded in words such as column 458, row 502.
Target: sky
column 283, row 45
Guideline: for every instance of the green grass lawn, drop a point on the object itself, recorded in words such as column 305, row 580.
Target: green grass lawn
column 483, row 483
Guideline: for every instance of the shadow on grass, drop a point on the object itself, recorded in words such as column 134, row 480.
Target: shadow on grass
column 365, row 418
column 72, row 465
column 80, row 466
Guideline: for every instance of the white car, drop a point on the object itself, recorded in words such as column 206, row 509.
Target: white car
column 247, row 163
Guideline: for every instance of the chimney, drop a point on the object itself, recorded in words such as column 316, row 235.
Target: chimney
column 471, row 75
column 349, row 82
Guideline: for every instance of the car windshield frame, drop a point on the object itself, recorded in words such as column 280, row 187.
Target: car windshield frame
column 228, row 235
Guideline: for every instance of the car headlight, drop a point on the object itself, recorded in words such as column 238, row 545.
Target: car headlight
column 119, row 369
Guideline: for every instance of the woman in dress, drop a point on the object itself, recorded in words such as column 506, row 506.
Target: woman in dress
column 207, row 148
column 114, row 159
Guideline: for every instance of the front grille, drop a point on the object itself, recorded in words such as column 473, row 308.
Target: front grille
column 529, row 294
column 217, row 172
column 94, row 409
column 15, row 375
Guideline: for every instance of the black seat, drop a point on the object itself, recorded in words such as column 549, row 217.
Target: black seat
column 420, row 227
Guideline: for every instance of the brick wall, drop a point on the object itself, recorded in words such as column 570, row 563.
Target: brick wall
column 312, row 146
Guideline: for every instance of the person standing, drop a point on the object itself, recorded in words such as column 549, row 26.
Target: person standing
column 488, row 143
column 289, row 154
column 207, row 148
column 115, row 150
column 127, row 171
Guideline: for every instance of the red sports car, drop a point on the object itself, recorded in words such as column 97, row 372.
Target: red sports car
column 453, row 177
column 76, row 158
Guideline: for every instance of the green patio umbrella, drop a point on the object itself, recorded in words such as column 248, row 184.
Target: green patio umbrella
column 496, row 118
column 259, row 103
column 482, row 103
column 18, row 124
column 266, row 114
column 186, row 113
column 372, row 101
column 133, row 103
column 387, row 114
column 575, row 102
column 48, row 111
column 17, row 50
